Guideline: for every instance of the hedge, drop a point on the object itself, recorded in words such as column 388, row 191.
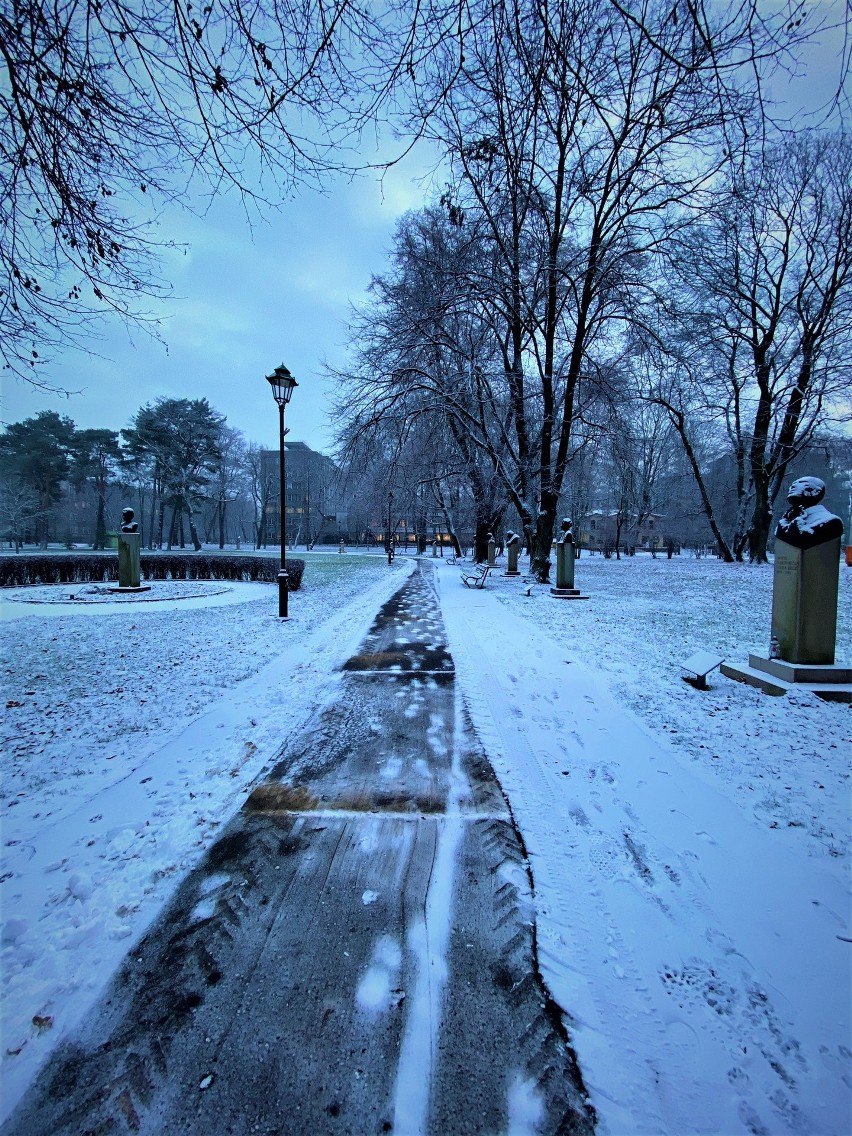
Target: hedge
column 101, row 567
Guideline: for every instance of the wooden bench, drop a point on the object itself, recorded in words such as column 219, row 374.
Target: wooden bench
column 476, row 575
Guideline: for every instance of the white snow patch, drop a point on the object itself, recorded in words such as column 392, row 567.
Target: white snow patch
column 213, row 882
column 391, row 768
column 374, row 992
column 427, row 940
column 204, row 909
column 80, row 886
column 526, row 1108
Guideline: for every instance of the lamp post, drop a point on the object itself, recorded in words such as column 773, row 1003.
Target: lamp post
column 283, row 384
column 390, row 538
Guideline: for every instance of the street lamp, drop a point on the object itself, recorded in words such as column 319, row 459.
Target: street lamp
column 283, row 384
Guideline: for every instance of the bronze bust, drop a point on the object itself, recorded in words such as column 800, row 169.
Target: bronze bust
column 807, row 522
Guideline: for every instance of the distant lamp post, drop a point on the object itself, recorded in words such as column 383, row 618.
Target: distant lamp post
column 283, row 384
column 390, row 537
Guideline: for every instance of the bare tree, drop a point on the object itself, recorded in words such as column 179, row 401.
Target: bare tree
column 762, row 318
column 20, row 511
column 228, row 477
column 110, row 109
column 577, row 135
column 263, row 480
column 426, row 368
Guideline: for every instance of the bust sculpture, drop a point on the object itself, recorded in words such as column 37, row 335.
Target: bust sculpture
column 807, row 522
column 128, row 525
column 567, row 534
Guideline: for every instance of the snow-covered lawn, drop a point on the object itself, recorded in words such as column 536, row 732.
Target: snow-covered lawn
column 690, row 849
column 786, row 760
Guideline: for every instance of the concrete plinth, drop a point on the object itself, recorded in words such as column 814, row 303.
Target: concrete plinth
column 775, row 676
column 129, row 574
column 564, row 566
column 804, row 601
column 513, row 547
column 568, row 594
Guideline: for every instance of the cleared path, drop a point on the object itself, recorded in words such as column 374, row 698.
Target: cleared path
column 356, row 952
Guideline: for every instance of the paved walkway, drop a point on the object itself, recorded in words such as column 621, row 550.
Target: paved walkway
column 355, row 954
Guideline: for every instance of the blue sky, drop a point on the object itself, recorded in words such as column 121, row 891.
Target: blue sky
column 248, row 297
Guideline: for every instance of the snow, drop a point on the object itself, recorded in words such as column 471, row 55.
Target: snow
column 374, row 993
column 131, row 731
column 428, row 939
column 689, row 849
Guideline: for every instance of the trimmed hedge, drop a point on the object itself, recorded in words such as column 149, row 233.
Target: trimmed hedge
column 102, row 567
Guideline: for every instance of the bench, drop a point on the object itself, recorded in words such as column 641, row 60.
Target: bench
column 476, row 575
column 700, row 665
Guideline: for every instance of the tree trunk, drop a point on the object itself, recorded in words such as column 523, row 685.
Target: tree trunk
column 679, row 422
column 480, row 540
column 161, row 521
column 761, row 521
column 619, row 521
column 152, row 513
column 545, row 525
column 193, row 531
column 100, row 526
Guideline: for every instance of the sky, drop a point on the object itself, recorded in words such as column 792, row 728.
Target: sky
column 247, row 298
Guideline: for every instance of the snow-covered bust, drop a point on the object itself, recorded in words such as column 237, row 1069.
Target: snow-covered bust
column 512, row 538
column 807, row 522
column 567, row 534
column 128, row 525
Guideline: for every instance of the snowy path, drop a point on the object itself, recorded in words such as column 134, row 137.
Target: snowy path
column 704, row 967
column 355, row 951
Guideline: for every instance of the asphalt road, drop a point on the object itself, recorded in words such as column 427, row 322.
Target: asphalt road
column 356, row 952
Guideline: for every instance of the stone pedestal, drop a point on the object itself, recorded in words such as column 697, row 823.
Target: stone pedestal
column 129, row 573
column 804, row 602
column 565, row 589
column 512, row 554
column 492, row 553
column 774, row 676
column 565, row 565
